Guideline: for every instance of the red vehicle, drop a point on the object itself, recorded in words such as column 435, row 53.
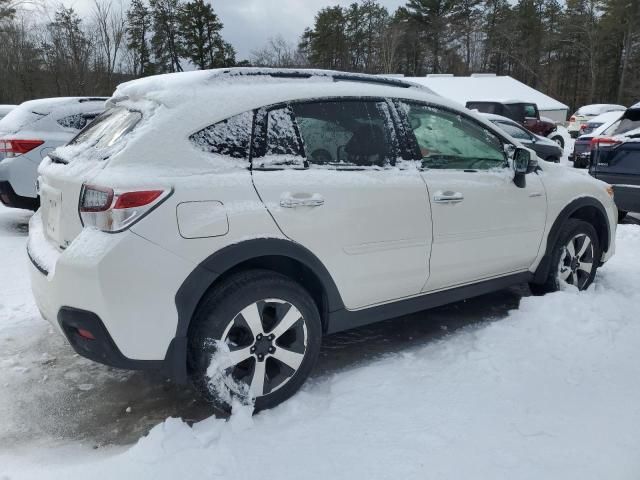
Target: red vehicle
column 525, row 113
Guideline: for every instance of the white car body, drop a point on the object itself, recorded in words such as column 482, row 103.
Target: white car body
column 586, row 113
column 380, row 234
column 5, row 109
column 49, row 123
column 604, row 120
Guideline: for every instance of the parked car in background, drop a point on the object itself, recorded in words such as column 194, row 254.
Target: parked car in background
column 29, row 133
column 615, row 159
column 586, row 113
column 219, row 235
column 5, row 109
column 582, row 146
column 524, row 113
column 544, row 147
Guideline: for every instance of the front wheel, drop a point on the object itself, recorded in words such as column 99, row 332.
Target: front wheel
column 256, row 338
column 574, row 258
column 559, row 139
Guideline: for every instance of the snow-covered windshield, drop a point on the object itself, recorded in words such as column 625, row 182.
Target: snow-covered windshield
column 108, row 128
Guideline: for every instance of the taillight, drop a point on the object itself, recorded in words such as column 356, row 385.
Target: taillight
column 15, row 148
column 596, row 142
column 116, row 210
column 572, row 119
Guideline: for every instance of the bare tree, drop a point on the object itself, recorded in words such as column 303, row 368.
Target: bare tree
column 111, row 27
column 276, row 53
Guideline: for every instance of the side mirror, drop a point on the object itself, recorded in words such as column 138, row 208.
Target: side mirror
column 523, row 163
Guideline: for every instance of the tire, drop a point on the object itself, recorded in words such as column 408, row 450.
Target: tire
column 246, row 312
column 570, row 263
column 559, row 139
column 622, row 215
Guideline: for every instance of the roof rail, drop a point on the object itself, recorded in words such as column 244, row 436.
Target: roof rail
column 335, row 75
column 93, row 99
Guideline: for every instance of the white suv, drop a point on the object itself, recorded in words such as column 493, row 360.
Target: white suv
column 216, row 224
column 29, row 133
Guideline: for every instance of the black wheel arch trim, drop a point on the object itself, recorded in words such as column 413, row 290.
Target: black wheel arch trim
column 567, row 212
column 216, row 265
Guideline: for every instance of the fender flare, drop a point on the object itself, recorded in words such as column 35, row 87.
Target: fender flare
column 567, row 212
column 214, row 266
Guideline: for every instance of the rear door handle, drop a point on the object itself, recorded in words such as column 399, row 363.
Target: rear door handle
column 448, row 197
column 294, row 200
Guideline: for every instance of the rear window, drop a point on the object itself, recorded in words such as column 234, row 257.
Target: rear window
column 19, row 118
column 108, row 127
column 629, row 121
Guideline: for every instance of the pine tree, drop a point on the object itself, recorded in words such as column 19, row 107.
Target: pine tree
column 200, row 28
column 166, row 41
column 139, row 24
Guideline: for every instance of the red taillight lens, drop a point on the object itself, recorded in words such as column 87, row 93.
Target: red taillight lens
column 114, row 210
column 13, row 148
column 136, row 199
column 597, row 141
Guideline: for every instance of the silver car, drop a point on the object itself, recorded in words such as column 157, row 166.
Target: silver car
column 29, row 133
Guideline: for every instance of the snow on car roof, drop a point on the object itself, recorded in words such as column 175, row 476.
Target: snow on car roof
column 487, row 88
column 608, row 117
column 200, row 98
column 230, row 76
column 30, row 111
column 599, row 108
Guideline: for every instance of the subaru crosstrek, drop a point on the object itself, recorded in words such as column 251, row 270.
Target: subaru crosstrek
column 217, row 224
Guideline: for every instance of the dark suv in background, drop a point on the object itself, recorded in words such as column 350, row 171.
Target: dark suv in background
column 524, row 113
column 615, row 159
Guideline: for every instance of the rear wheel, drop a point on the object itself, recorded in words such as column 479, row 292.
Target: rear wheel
column 255, row 337
column 574, row 258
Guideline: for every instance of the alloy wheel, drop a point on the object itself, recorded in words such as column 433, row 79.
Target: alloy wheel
column 267, row 342
column 576, row 261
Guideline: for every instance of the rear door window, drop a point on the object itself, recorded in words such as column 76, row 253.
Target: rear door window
column 347, row 133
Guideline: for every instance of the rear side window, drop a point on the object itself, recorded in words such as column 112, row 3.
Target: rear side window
column 109, row 127
column 230, row 137
column 77, row 121
column 448, row 140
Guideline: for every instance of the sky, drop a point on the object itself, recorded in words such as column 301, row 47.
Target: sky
column 248, row 24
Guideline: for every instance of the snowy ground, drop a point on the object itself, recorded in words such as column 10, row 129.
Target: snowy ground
column 506, row 386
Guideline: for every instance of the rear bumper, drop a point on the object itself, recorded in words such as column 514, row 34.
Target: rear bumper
column 100, row 348
column 120, row 287
column 10, row 198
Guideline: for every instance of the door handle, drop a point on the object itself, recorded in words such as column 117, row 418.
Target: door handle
column 293, row 200
column 448, row 197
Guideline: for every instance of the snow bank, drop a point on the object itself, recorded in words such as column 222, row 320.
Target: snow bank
column 549, row 392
